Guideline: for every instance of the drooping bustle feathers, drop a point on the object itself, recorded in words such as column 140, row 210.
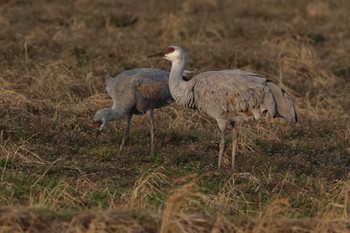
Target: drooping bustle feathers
column 284, row 104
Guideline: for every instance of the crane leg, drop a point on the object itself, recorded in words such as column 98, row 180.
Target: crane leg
column 151, row 117
column 221, row 147
column 126, row 132
column 234, row 146
column 222, row 125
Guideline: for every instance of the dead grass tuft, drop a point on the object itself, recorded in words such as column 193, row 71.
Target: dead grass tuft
column 175, row 216
column 60, row 197
column 300, row 62
column 21, row 154
column 148, row 188
column 335, row 215
column 230, row 198
column 12, row 98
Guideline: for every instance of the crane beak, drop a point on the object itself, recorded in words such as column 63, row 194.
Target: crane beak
column 160, row 54
column 97, row 125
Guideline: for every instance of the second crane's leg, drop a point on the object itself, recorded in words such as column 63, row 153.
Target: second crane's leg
column 234, row 145
column 126, row 132
column 150, row 114
column 222, row 147
column 222, row 125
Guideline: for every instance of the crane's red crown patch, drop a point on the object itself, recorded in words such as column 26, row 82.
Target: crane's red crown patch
column 170, row 50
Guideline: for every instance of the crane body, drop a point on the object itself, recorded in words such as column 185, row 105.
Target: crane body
column 229, row 96
column 136, row 91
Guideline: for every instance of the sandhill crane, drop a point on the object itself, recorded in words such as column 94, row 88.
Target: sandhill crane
column 229, row 96
column 135, row 91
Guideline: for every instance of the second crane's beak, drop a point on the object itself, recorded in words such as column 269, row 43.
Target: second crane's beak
column 161, row 54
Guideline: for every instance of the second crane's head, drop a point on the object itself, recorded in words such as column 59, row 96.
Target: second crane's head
column 173, row 54
column 103, row 116
column 100, row 119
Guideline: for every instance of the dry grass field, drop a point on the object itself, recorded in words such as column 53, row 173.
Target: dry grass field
column 55, row 177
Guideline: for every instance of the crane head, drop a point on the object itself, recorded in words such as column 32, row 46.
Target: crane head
column 101, row 118
column 172, row 53
column 98, row 124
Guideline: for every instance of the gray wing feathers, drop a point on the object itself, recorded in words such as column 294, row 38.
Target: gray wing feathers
column 120, row 91
column 232, row 90
column 243, row 94
column 153, row 90
column 141, row 88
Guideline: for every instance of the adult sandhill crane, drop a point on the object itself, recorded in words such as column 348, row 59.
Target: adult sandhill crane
column 229, row 96
column 135, row 91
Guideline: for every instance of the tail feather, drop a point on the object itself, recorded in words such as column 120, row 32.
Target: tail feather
column 284, row 104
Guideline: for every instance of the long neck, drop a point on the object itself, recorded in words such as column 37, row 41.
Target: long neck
column 113, row 114
column 179, row 88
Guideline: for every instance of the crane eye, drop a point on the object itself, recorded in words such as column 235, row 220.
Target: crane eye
column 170, row 50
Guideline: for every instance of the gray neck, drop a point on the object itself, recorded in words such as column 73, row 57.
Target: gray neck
column 113, row 115
column 109, row 114
column 179, row 88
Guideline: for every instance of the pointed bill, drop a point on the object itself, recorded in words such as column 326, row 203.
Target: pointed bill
column 160, row 54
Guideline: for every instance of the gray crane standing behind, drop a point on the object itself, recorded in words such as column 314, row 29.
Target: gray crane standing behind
column 229, row 96
column 135, row 91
